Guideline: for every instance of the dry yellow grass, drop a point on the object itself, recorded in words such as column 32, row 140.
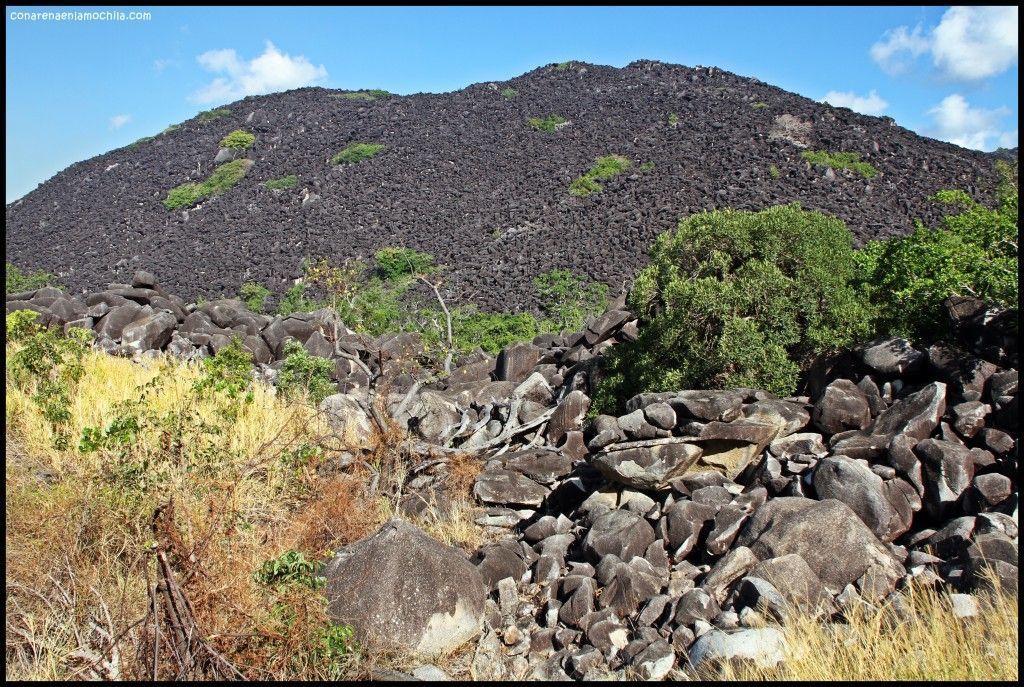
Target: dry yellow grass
column 919, row 639
column 79, row 531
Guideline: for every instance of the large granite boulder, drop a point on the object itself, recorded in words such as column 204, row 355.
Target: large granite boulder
column 401, row 586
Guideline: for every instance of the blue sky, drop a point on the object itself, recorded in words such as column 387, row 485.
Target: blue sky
column 78, row 88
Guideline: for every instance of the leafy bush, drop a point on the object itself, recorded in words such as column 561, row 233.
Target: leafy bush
column 567, row 300
column 18, row 281
column 337, row 645
column 238, row 140
column 171, row 127
column 510, row 93
column 759, row 105
column 491, row 331
column 289, row 568
column 135, row 144
column 393, row 263
column 603, row 168
column 254, row 296
column 229, row 371
column 305, row 373
column 735, row 298
column 223, row 178
column 647, row 167
column 849, row 161
column 673, row 119
column 356, row 152
column 294, row 300
column 290, row 181
column 46, row 364
column 972, row 253
column 774, row 172
column 211, row 115
column 371, row 94
column 562, row 66
column 549, row 123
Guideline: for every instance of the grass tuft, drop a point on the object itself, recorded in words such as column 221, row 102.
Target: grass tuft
column 846, row 160
column 356, row 152
column 917, row 638
column 603, row 168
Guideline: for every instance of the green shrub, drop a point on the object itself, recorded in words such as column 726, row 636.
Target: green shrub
column 393, row 263
column 290, row 181
column 135, row 144
column 647, row 167
column 211, row 115
column 972, row 253
column 603, row 168
column 549, row 123
column 355, row 152
column 294, row 300
column 238, row 140
column 849, row 161
column 287, row 569
column 47, row 364
column 336, row 647
column 254, row 296
column 562, row 66
column 673, row 119
column 491, row 331
column 774, row 172
column 171, row 127
column 305, row 373
column 510, row 93
column 18, row 281
column 737, row 298
column 371, row 94
column 229, row 372
column 567, row 300
column 759, row 105
column 223, row 178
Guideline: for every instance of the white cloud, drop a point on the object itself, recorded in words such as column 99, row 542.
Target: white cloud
column 873, row 104
column 889, row 53
column 271, row 71
column 969, row 44
column 954, row 120
column 1008, row 139
column 117, row 121
column 972, row 43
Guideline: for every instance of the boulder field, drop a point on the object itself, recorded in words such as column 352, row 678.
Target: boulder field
column 643, row 543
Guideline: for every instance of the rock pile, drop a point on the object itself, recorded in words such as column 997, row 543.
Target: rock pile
column 665, row 537
column 464, row 177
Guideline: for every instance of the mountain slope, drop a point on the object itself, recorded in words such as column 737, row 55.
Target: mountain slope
column 463, row 176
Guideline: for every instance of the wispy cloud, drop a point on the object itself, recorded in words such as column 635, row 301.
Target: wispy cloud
column 163, row 63
column 891, row 53
column 872, row 104
column 969, row 44
column 117, row 121
column 272, row 71
column 954, row 120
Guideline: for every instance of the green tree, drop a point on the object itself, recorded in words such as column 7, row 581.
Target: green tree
column 972, row 253
column 735, row 298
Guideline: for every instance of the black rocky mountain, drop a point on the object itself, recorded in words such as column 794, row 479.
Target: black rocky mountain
column 464, row 177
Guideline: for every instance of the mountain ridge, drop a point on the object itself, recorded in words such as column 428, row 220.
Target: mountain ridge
column 464, row 176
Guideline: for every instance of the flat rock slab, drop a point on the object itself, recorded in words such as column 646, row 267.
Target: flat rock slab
column 646, row 464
